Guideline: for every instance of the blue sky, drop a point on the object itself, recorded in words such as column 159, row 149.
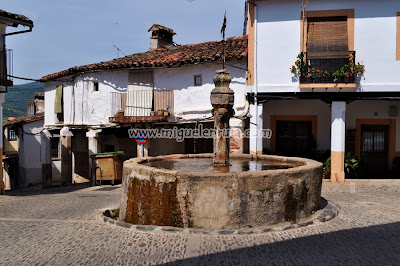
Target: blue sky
column 69, row 33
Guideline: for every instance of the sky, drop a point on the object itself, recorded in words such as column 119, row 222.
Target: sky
column 70, row 33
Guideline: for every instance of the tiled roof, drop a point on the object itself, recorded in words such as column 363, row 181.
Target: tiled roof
column 160, row 27
column 16, row 17
column 175, row 56
column 25, row 119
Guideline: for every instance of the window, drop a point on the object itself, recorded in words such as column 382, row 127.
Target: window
column 95, row 86
column 140, row 93
column 12, row 135
column 327, row 36
column 328, row 44
column 198, row 81
column 55, row 147
column 328, row 17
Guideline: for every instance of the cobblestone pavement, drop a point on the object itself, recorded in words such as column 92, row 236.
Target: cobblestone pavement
column 61, row 226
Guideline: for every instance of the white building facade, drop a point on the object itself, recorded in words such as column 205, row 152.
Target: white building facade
column 91, row 108
column 343, row 95
column 8, row 19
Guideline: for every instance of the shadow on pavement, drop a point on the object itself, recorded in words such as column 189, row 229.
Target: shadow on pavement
column 38, row 190
column 373, row 245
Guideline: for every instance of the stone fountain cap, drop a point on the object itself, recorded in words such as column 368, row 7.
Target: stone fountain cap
column 222, row 95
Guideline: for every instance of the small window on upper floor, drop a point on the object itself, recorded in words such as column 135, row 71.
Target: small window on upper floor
column 95, row 86
column 198, row 81
column 12, row 134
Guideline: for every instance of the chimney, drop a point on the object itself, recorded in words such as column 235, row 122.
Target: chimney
column 160, row 36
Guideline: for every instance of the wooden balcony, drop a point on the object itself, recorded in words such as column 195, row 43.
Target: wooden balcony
column 327, row 71
column 140, row 106
column 6, row 68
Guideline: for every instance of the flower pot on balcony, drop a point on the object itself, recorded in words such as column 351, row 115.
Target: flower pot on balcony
column 308, row 79
column 346, row 79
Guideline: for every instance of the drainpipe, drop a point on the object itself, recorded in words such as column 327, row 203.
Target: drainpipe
column 18, row 32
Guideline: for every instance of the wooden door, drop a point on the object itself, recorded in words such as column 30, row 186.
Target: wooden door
column 374, row 151
column 294, row 138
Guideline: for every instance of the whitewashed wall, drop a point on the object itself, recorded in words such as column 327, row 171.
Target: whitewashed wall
column 29, row 153
column 354, row 110
column 193, row 102
column 304, row 107
column 83, row 106
column 279, row 42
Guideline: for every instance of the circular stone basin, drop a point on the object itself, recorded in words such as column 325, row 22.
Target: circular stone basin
column 187, row 191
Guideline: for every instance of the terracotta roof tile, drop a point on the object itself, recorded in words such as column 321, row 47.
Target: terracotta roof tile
column 25, row 119
column 16, row 17
column 176, row 56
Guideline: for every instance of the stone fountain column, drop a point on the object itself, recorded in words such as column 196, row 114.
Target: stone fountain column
column 222, row 99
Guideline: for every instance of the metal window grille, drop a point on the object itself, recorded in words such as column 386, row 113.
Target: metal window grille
column 12, row 135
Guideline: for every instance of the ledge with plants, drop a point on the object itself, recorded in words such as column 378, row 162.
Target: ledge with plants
column 308, row 74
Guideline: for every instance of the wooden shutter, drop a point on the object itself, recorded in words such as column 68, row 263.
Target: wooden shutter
column 327, row 37
column 140, row 93
column 164, row 100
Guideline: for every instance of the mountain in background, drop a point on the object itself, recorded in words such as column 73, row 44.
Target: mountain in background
column 16, row 98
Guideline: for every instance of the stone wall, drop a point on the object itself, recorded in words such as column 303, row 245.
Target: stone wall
column 220, row 200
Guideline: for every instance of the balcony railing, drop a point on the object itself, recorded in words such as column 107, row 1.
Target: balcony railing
column 145, row 105
column 327, row 68
column 6, row 67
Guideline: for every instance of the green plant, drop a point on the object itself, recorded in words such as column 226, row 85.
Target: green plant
column 325, row 73
column 326, row 171
column 359, row 68
column 350, row 166
column 337, row 74
column 298, row 65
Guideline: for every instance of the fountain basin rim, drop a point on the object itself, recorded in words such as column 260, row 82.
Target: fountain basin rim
column 302, row 164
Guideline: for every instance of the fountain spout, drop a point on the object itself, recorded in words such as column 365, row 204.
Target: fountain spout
column 222, row 99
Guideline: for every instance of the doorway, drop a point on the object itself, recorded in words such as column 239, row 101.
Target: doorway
column 374, row 153
column 294, row 138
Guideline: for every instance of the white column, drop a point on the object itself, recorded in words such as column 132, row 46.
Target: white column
column 338, row 135
column 1, row 144
column 92, row 135
column 45, row 157
column 256, row 125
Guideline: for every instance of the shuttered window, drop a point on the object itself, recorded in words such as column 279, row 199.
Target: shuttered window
column 327, row 37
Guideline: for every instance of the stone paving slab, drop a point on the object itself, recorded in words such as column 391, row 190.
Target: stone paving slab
column 62, row 227
column 329, row 212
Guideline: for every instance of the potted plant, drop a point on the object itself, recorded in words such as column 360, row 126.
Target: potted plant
column 337, row 75
column 346, row 70
column 359, row 69
column 350, row 166
column 325, row 75
column 296, row 68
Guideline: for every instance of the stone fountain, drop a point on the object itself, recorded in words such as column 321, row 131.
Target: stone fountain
column 219, row 191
